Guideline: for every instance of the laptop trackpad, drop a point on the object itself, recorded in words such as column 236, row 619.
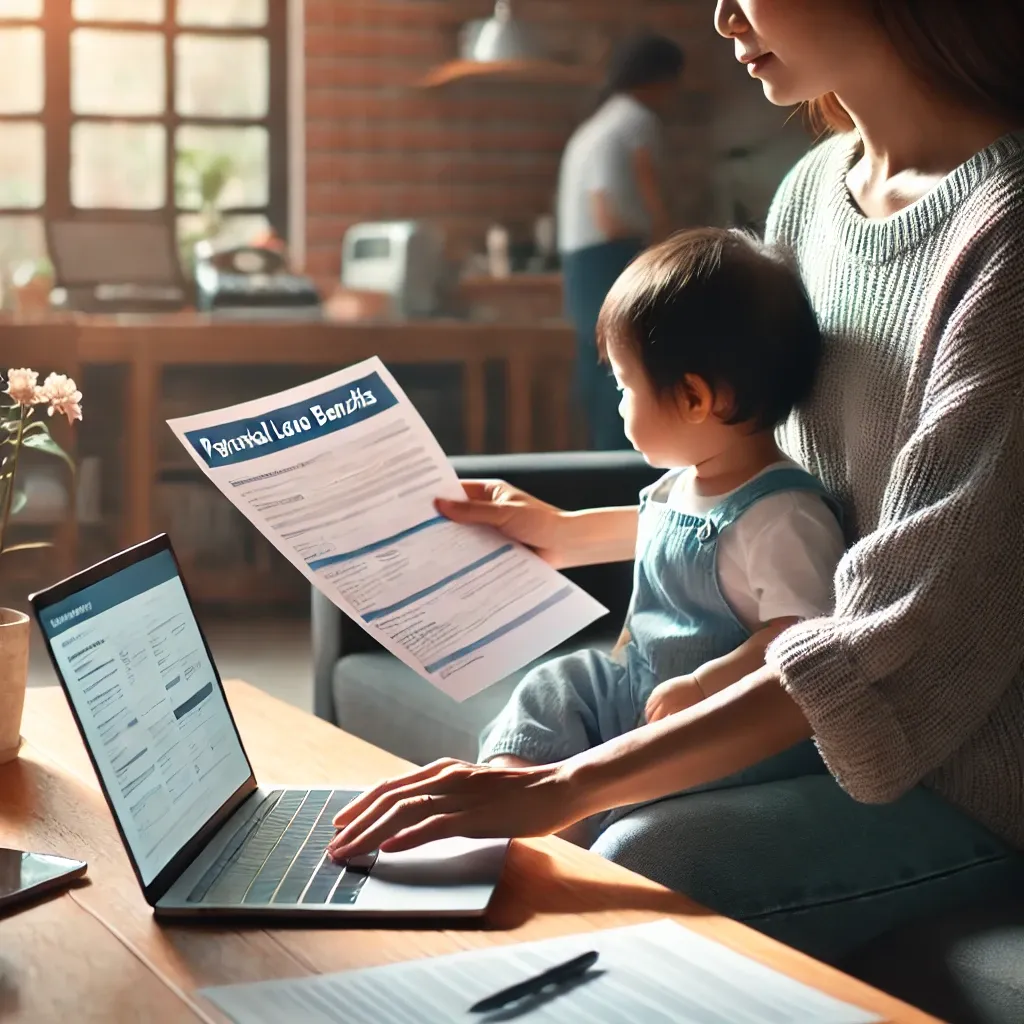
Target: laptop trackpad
column 447, row 862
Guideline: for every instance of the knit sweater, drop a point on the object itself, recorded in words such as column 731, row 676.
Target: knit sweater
column 917, row 425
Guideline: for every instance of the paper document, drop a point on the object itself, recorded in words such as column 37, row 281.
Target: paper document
column 341, row 476
column 657, row 973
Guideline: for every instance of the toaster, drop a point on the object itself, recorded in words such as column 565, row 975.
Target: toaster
column 402, row 259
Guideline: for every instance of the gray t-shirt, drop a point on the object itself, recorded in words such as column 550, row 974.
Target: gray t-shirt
column 599, row 157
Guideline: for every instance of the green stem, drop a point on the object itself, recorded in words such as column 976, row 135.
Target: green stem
column 9, row 494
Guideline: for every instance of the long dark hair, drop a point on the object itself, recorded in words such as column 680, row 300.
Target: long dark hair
column 969, row 49
column 642, row 59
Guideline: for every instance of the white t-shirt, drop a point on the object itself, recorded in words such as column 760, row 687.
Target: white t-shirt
column 599, row 157
column 778, row 560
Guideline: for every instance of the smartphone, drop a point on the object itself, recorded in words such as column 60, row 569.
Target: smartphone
column 24, row 876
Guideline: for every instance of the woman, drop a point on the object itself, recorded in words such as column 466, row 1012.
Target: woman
column 908, row 226
column 610, row 207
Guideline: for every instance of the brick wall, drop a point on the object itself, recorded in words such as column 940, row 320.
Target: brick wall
column 468, row 154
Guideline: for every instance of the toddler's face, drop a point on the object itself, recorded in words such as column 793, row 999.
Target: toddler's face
column 656, row 426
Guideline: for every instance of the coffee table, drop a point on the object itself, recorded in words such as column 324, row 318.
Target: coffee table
column 95, row 953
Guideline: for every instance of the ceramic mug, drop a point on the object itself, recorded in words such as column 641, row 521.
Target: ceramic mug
column 14, row 638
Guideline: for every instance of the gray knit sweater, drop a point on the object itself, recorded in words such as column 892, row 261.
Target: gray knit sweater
column 917, row 426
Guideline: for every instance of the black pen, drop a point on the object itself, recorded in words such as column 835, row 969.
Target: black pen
column 559, row 975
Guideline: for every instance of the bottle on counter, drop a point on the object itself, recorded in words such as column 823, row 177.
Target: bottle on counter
column 499, row 259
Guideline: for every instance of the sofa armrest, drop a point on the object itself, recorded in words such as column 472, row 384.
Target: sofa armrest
column 572, row 480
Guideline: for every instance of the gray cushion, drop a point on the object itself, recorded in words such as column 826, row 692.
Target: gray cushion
column 965, row 968
column 382, row 701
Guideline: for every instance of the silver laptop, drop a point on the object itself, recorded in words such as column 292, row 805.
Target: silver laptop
column 205, row 839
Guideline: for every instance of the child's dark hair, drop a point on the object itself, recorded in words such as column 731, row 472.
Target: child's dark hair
column 723, row 306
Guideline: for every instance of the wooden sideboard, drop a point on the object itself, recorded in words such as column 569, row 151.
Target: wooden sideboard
column 535, row 363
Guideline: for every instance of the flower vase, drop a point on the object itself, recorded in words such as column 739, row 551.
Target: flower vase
column 14, row 638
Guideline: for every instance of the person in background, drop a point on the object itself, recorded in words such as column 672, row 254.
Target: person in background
column 611, row 207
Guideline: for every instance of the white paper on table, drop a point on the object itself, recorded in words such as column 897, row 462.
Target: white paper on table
column 341, row 475
column 656, row 973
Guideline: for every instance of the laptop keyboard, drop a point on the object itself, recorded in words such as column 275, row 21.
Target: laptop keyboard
column 279, row 856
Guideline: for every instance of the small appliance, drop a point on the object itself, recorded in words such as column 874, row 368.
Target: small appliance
column 252, row 283
column 401, row 259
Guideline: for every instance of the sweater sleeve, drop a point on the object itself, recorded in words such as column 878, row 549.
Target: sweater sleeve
column 928, row 629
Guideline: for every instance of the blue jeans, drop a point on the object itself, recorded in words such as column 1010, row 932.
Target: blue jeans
column 782, row 848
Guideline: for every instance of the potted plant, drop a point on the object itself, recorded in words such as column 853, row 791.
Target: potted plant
column 32, row 282
column 200, row 181
column 20, row 429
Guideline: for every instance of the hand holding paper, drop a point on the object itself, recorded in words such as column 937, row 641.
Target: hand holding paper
column 342, row 476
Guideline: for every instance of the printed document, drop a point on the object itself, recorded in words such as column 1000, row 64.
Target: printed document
column 341, row 476
column 656, row 973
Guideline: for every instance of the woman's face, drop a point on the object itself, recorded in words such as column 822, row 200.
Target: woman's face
column 801, row 49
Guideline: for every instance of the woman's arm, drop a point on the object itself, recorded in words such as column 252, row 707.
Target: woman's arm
column 736, row 728
column 927, row 635
column 747, row 722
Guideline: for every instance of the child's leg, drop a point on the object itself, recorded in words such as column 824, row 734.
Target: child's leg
column 562, row 708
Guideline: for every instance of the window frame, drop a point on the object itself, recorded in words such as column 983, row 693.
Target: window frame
column 57, row 117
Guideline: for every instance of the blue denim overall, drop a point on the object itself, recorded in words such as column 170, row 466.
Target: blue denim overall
column 678, row 621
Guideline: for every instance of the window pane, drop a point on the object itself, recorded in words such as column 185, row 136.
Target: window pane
column 117, row 72
column 21, row 8
column 118, row 166
column 22, row 240
column 118, row 10
column 21, row 70
column 22, row 164
column 247, row 175
column 222, row 13
column 222, row 77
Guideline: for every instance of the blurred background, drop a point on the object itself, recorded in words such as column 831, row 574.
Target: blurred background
column 204, row 201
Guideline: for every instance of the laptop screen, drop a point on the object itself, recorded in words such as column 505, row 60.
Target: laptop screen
column 150, row 705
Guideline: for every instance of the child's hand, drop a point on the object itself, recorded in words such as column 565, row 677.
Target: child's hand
column 518, row 515
column 671, row 696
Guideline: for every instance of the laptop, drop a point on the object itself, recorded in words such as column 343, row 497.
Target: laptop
column 204, row 837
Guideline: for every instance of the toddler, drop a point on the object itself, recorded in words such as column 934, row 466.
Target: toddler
column 712, row 342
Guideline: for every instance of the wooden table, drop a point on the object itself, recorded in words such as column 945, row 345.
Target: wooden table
column 96, row 953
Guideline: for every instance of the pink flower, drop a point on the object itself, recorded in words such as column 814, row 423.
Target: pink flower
column 22, row 387
column 62, row 394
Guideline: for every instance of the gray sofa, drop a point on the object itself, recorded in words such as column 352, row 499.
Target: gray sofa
column 966, row 968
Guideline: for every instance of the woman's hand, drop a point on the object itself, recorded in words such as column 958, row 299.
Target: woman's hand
column 454, row 798
column 516, row 514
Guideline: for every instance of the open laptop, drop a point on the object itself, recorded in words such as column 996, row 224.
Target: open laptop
column 203, row 837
